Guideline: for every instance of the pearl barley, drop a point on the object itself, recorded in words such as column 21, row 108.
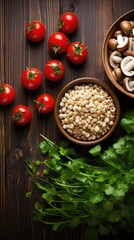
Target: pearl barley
column 87, row 112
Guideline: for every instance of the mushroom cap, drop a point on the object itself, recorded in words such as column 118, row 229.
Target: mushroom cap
column 132, row 23
column 126, row 27
column 117, row 73
column 128, row 53
column 128, row 84
column 112, row 43
column 118, row 32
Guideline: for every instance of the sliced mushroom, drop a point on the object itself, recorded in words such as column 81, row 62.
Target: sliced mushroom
column 126, row 27
column 130, row 50
column 124, row 46
column 128, row 84
column 118, row 34
column 122, row 41
column 117, row 74
column 127, row 66
column 115, row 59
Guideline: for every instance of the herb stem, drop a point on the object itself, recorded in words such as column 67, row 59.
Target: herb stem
column 47, row 140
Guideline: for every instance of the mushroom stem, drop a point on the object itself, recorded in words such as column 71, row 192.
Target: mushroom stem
column 131, row 84
column 120, row 39
column 117, row 59
column 129, row 66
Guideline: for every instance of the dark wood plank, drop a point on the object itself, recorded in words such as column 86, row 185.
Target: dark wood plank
column 17, row 143
column 2, row 126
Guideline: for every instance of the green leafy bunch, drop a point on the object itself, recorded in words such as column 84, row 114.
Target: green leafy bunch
column 74, row 192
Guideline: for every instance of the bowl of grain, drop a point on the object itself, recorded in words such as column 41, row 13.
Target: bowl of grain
column 86, row 111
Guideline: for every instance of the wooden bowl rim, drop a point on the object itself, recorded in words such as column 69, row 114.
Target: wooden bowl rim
column 79, row 81
column 109, row 34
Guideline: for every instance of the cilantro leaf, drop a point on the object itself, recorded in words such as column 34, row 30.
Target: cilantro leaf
column 63, row 151
column 114, row 216
column 72, row 152
column 49, row 196
column 110, row 157
column 120, row 147
column 28, row 194
column 43, row 147
column 109, row 189
column 54, row 153
column 57, row 225
column 95, row 151
column 127, row 123
column 120, row 191
column 98, row 197
column 74, row 222
column 108, row 206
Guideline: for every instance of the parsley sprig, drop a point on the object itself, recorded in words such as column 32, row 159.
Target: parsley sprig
column 74, row 192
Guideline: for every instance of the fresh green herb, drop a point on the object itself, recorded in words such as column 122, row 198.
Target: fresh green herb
column 95, row 150
column 127, row 122
column 28, row 194
column 74, row 192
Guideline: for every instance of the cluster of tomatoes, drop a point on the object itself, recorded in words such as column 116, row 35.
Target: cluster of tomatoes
column 31, row 78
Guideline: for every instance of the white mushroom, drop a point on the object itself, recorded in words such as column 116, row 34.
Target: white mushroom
column 128, row 84
column 115, row 59
column 122, row 41
column 124, row 46
column 118, row 34
column 127, row 66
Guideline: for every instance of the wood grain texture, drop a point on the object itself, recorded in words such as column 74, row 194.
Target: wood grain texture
column 20, row 143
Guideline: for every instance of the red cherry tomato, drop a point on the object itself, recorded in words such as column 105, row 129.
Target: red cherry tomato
column 68, row 22
column 45, row 103
column 54, row 70
column 21, row 115
column 35, row 31
column 77, row 52
column 58, row 42
column 7, row 94
column 31, row 78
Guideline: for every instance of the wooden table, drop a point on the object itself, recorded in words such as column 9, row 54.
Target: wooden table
column 19, row 143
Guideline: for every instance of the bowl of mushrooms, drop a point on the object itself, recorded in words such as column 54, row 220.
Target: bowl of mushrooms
column 86, row 111
column 118, row 54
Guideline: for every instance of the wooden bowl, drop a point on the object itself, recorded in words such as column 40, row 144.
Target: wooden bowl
column 80, row 81
column 105, row 51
